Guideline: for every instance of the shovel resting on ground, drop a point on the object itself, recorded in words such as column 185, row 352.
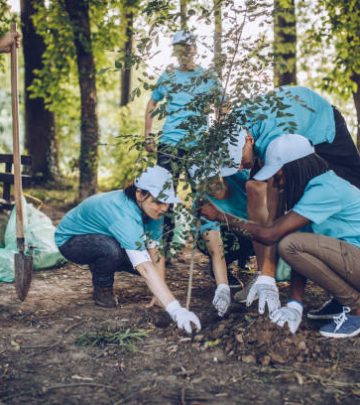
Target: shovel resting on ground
column 23, row 262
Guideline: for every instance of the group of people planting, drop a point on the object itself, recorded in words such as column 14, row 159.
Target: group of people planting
column 286, row 186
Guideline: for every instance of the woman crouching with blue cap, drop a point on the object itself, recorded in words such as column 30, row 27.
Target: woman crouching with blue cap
column 326, row 210
column 120, row 231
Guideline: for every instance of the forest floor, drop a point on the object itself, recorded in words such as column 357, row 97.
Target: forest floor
column 241, row 359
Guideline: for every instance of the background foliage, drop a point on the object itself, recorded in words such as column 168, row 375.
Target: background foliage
column 329, row 59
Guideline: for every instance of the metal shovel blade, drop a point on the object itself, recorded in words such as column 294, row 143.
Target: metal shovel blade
column 23, row 274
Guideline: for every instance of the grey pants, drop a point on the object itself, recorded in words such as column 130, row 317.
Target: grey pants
column 331, row 263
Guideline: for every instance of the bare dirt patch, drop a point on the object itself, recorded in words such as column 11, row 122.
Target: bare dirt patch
column 241, row 359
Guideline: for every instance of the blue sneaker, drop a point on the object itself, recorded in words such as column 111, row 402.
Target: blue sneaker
column 342, row 326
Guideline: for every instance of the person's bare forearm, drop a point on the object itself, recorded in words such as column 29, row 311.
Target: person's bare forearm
column 159, row 261
column 148, row 117
column 259, row 233
column 215, row 247
column 266, row 258
column 155, row 283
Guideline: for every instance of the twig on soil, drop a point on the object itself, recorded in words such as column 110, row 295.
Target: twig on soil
column 71, row 327
column 43, row 348
column 95, row 385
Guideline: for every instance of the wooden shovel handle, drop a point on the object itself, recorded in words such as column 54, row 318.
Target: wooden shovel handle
column 16, row 142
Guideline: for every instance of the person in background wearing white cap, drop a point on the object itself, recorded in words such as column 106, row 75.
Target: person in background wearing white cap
column 189, row 92
column 120, row 231
column 7, row 40
column 293, row 109
column 325, row 209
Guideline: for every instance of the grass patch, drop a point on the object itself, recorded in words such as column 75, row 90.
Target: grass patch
column 126, row 339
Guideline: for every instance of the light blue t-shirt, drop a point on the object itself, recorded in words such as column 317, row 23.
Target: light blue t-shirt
column 235, row 204
column 186, row 94
column 111, row 214
column 332, row 205
column 296, row 110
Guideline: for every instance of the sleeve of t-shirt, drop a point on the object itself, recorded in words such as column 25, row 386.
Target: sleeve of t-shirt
column 207, row 225
column 129, row 233
column 159, row 91
column 318, row 203
column 137, row 257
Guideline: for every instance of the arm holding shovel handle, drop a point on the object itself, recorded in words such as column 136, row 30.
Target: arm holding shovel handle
column 7, row 40
column 23, row 262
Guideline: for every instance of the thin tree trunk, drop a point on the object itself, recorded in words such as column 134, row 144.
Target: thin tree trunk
column 126, row 71
column 218, row 38
column 40, row 138
column 183, row 14
column 78, row 11
column 284, row 42
column 356, row 97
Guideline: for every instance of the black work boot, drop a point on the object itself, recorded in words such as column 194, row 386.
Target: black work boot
column 104, row 297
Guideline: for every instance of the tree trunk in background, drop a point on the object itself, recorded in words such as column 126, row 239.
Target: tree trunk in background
column 218, row 38
column 40, row 138
column 284, row 42
column 183, row 14
column 78, row 11
column 126, row 71
column 356, row 97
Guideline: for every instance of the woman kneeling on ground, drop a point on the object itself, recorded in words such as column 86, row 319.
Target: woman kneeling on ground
column 326, row 210
column 120, row 231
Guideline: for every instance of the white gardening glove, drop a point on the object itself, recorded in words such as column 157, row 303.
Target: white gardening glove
column 266, row 291
column 182, row 316
column 291, row 314
column 222, row 299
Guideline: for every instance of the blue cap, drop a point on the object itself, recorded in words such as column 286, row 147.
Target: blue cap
column 184, row 38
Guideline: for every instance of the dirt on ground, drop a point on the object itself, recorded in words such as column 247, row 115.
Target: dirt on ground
column 53, row 351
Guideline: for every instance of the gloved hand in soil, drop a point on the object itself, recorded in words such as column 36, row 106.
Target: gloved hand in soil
column 291, row 314
column 222, row 299
column 184, row 318
column 266, row 291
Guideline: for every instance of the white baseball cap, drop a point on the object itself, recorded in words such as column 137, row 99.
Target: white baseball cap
column 183, row 37
column 159, row 183
column 232, row 160
column 282, row 150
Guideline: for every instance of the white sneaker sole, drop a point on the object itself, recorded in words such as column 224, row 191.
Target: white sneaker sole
column 339, row 335
column 322, row 317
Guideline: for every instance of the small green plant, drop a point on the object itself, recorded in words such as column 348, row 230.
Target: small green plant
column 126, row 339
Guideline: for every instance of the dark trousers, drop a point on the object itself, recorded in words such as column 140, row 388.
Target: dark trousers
column 103, row 254
column 342, row 154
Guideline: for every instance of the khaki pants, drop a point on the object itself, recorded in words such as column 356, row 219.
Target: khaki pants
column 331, row 263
